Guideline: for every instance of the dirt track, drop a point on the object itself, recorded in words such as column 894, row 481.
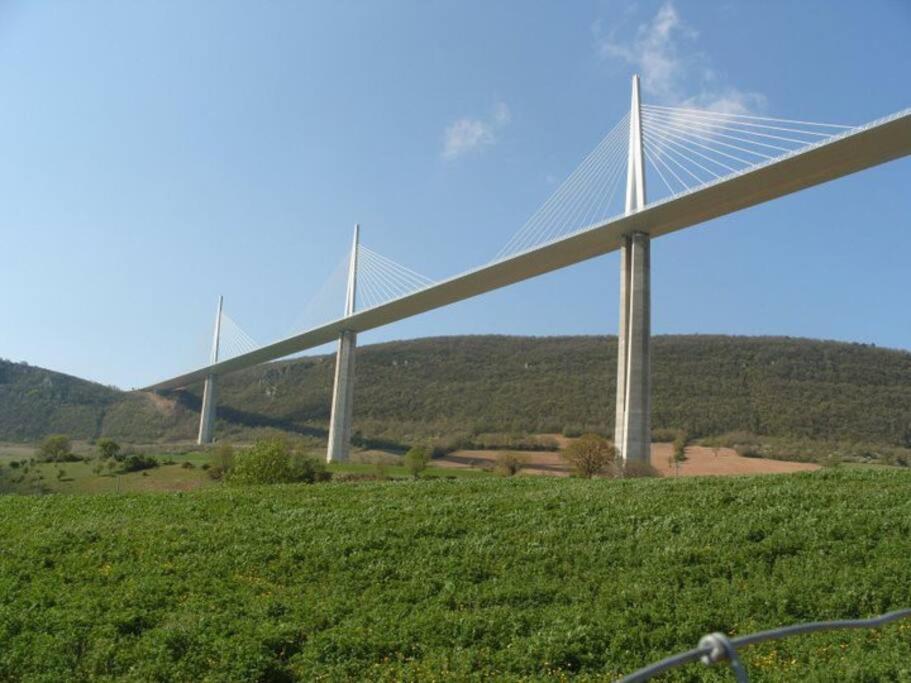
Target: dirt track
column 700, row 461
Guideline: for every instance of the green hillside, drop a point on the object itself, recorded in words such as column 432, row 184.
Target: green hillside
column 35, row 402
column 706, row 384
column 484, row 579
column 451, row 386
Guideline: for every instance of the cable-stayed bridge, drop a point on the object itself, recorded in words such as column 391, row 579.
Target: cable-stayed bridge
column 699, row 164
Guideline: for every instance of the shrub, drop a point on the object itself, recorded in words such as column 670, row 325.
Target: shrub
column 680, row 441
column 221, row 460
column 55, row 448
column 273, row 461
column 108, row 448
column 635, row 469
column 187, row 465
column 509, row 463
column 748, row 450
column 138, row 462
column 591, row 454
column 416, row 460
column 663, row 435
column 572, row 431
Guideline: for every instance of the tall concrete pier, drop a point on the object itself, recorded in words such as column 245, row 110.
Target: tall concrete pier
column 343, row 391
column 632, row 426
column 210, row 391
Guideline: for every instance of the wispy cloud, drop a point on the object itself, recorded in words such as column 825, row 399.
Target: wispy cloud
column 468, row 134
column 665, row 51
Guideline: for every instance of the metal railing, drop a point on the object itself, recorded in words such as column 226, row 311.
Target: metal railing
column 717, row 647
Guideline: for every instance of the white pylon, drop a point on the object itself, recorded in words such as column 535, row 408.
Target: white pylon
column 632, row 426
column 339, row 446
column 210, row 390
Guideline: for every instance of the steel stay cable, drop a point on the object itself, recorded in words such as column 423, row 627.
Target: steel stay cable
column 403, row 271
column 375, row 277
column 704, row 156
column 534, row 223
column 371, row 297
column 712, row 131
column 391, row 280
column 720, row 120
column 696, row 134
column 556, row 226
column 556, row 199
column 648, row 155
column 685, row 150
column 672, row 154
column 664, row 131
column 599, row 190
column 722, row 125
column 552, row 213
column 607, row 198
column 748, row 116
column 659, row 155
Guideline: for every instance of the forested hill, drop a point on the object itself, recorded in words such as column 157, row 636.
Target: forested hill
column 35, row 401
column 451, row 385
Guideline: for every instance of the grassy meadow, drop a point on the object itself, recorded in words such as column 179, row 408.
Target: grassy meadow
column 455, row 579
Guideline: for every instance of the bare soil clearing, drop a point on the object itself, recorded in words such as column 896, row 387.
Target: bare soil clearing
column 701, row 461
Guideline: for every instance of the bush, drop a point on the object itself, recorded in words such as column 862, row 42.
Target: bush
column 274, row 461
column 748, row 450
column 221, row 460
column 680, row 441
column 572, row 431
column 416, row 460
column 634, row 469
column 591, row 454
column 138, row 462
column 663, row 435
column 55, row 448
column 509, row 463
column 108, row 448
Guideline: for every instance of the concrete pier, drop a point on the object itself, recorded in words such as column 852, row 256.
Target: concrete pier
column 207, row 414
column 622, row 341
column 339, row 447
column 210, row 391
column 342, row 400
column 636, row 436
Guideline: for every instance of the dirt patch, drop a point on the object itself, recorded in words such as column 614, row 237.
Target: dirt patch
column 700, row 462
column 165, row 406
column 546, row 463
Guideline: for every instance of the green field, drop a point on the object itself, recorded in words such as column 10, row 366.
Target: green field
column 34, row 476
column 487, row 578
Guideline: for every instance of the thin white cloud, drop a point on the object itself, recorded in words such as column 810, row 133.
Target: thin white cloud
column 664, row 50
column 468, row 134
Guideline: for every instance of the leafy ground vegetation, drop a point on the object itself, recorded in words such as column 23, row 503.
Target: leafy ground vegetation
column 471, row 579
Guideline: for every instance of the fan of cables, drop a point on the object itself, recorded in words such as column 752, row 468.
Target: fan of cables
column 688, row 148
column 584, row 199
column 232, row 340
column 380, row 279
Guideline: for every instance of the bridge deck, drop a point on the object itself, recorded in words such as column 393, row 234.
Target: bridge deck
column 871, row 145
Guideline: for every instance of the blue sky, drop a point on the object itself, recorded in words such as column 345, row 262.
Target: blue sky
column 154, row 155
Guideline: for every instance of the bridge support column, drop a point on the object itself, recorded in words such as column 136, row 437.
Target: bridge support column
column 636, row 430
column 632, row 424
column 207, row 414
column 342, row 399
column 622, row 343
column 339, row 447
column 210, row 391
